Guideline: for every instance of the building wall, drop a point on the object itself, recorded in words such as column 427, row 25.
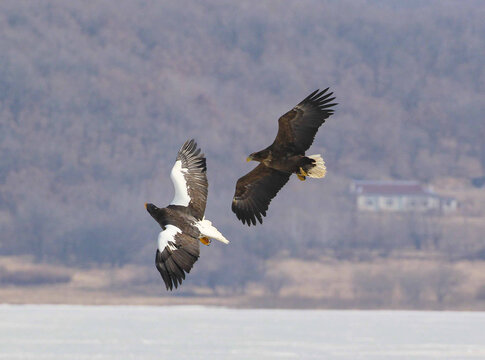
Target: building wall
column 397, row 203
column 367, row 203
column 390, row 203
column 449, row 205
column 421, row 203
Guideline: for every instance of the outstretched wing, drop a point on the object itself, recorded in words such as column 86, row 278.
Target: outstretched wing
column 254, row 192
column 297, row 128
column 190, row 180
column 176, row 254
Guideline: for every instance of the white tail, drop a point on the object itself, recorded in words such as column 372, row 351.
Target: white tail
column 205, row 227
column 318, row 170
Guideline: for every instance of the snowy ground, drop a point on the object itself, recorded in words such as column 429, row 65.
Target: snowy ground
column 124, row 332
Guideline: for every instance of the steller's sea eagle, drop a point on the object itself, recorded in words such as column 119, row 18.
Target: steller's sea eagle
column 183, row 223
column 285, row 156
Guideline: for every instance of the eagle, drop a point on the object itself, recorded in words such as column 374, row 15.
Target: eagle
column 183, row 223
column 285, row 156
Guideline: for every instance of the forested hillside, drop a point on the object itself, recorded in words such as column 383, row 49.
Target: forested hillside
column 97, row 97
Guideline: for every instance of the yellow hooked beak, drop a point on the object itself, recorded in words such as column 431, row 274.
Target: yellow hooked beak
column 249, row 158
column 146, row 205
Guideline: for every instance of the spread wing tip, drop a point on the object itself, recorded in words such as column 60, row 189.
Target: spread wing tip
column 254, row 192
column 247, row 216
column 321, row 99
column 173, row 265
column 190, row 146
column 190, row 152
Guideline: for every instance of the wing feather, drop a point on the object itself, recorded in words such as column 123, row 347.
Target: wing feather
column 176, row 254
column 298, row 127
column 189, row 177
column 254, row 192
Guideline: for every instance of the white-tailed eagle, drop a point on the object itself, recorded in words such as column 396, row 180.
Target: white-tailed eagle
column 183, row 223
column 285, row 156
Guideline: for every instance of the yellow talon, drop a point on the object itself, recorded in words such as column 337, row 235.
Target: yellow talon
column 302, row 172
column 301, row 177
column 205, row 240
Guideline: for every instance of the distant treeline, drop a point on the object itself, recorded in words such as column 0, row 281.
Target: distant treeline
column 96, row 98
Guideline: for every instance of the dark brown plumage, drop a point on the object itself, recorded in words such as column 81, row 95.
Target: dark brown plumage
column 285, row 156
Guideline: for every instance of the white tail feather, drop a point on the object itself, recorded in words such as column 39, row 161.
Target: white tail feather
column 205, row 227
column 318, row 170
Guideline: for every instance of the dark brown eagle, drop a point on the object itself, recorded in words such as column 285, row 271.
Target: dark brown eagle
column 286, row 156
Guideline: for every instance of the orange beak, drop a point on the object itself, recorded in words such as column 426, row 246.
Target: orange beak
column 146, row 205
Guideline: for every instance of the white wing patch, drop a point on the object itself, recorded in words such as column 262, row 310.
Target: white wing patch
column 168, row 235
column 180, row 185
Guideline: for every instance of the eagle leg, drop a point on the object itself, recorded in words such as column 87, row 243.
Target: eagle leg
column 205, row 240
column 302, row 175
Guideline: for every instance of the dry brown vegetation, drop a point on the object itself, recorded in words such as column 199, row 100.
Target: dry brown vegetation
column 408, row 281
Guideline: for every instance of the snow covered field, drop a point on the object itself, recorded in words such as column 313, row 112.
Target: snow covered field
column 142, row 332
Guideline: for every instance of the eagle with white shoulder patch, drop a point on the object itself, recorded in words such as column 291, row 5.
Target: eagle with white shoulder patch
column 183, row 223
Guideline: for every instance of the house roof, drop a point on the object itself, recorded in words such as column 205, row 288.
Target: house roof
column 390, row 188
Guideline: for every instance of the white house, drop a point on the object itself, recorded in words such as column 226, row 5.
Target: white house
column 383, row 196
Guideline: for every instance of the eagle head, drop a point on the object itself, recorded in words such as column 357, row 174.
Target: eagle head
column 158, row 214
column 152, row 209
column 259, row 156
